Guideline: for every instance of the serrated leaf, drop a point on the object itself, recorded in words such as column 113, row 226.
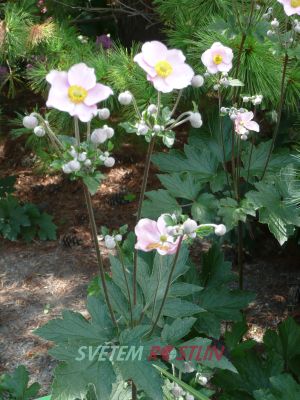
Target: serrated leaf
column 185, row 187
column 283, row 387
column 159, row 202
column 179, row 328
column 93, row 182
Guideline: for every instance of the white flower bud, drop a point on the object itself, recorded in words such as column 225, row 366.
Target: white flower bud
column 297, row 28
column 270, row 33
column 225, row 82
column 244, row 137
column 257, row 100
column 73, row 152
column 66, row 169
column 118, row 238
column 88, row 162
column 189, row 397
column 152, row 109
column 104, row 113
column 223, row 110
column 82, row 156
column 189, row 226
column 220, row 230
column 39, row 131
column 157, row 128
column 102, row 157
column 275, row 23
column 196, row 120
column 142, row 129
column 177, row 391
column 202, row 380
column 110, row 242
column 216, row 87
column 109, row 162
column 74, row 165
column 169, row 141
column 98, row 136
column 172, row 230
column 188, row 367
column 233, row 116
column 125, row 98
column 30, row 122
column 197, row 81
column 109, row 131
column 246, row 99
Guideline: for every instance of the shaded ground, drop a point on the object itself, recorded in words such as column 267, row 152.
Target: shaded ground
column 38, row 280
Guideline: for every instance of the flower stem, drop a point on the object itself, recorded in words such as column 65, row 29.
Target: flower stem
column 99, row 258
column 126, row 280
column 76, row 128
column 176, row 102
column 139, row 211
column 167, row 287
column 279, row 112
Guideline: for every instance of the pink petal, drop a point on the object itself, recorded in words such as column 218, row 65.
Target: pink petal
column 161, row 224
column 147, row 232
column 175, row 57
column 224, row 67
column 181, row 76
column 206, row 57
column 153, row 52
column 139, row 59
column 98, row 93
column 161, row 84
column 247, row 116
column 83, row 112
column 252, row 126
column 59, row 99
column 212, row 69
column 59, row 77
column 82, row 75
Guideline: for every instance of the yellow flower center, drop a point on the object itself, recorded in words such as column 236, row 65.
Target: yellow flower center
column 295, row 3
column 218, row 59
column 77, row 94
column 163, row 69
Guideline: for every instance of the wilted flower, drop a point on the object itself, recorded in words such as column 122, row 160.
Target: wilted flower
column 243, row 123
column 153, row 235
column 76, row 91
column 218, row 58
column 165, row 68
column 291, row 6
column 104, row 41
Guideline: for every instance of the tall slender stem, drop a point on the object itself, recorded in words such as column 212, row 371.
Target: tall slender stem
column 139, row 211
column 126, row 280
column 76, row 128
column 176, row 102
column 240, row 255
column 99, row 258
column 279, row 112
column 168, row 286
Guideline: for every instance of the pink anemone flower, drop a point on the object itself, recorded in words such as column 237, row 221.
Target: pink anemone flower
column 218, row 58
column 76, row 91
column 291, row 6
column 243, row 123
column 165, row 68
column 153, row 235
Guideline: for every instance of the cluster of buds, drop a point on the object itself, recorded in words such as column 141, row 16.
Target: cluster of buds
column 112, row 239
column 268, row 14
column 82, row 39
column 274, row 27
column 158, row 121
column 255, row 100
column 31, row 122
column 79, row 160
column 232, row 112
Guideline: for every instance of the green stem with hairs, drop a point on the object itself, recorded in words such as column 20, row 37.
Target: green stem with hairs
column 167, row 287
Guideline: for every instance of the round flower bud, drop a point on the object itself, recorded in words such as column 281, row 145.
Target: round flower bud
column 118, row 238
column 98, row 136
column 223, row 110
column 246, row 99
column 104, row 113
column 102, row 157
column 125, row 98
column 297, row 28
column 257, row 100
column 270, row 33
column 39, row 131
column 82, row 156
column 196, row 120
column 224, row 81
column 109, row 131
column 157, row 128
column 275, row 23
column 206, row 74
column 152, row 109
column 73, row 152
column 142, row 129
column 189, row 226
column 244, row 137
column 30, row 122
column 202, row 380
column 110, row 242
column 109, row 162
column 220, row 230
column 233, row 116
column 74, row 165
column 177, row 391
column 66, row 169
column 88, row 162
column 197, row 81
column 216, row 87
column 189, row 397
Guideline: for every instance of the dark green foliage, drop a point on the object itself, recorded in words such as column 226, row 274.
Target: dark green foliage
column 15, row 386
column 22, row 221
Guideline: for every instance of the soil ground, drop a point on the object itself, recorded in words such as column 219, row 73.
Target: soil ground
column 40, row 279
